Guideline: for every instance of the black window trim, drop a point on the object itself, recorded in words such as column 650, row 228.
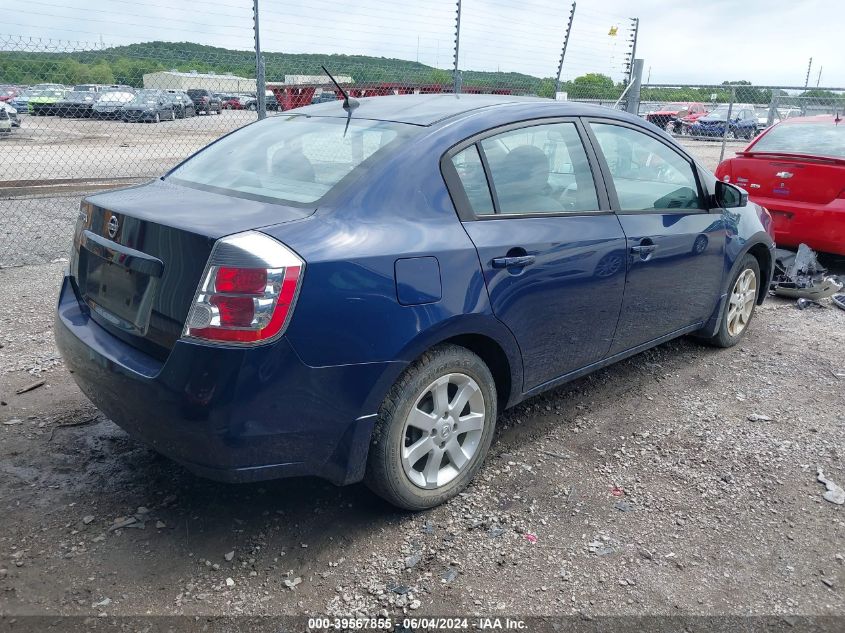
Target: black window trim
column 703, row 194
column 461, row 201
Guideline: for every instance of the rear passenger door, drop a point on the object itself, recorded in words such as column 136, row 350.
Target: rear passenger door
column 675, row 245
column 552, row 252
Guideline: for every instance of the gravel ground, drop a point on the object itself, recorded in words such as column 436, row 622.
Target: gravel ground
column 680, row 481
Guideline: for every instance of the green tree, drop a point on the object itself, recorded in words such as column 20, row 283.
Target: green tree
column 593, row 86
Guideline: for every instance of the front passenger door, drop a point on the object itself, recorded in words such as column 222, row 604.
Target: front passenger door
column 675, row 245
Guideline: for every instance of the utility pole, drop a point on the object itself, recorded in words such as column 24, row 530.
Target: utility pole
column 563, row 50
column 819, row 80
column 260, row 88
column 456, row 72
column 809, row 67
column 636, row 22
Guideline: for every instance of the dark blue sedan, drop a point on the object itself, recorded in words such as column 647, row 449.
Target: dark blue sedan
column 356, row 294
column 741, row 120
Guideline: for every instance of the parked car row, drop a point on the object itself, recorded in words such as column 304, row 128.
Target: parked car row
column 245, row 101
column 116, row 102
column 743, row 120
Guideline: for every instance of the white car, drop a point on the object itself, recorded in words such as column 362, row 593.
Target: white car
column 5, row 123
column 13, row 114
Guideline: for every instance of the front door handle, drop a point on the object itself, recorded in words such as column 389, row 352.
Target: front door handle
column 513, row 262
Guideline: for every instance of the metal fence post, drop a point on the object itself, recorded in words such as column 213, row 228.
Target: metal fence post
column 773, row 108
column 260, row 89
column 457, row 75
column 727, row 123
column 632, row 105
column 563, row 50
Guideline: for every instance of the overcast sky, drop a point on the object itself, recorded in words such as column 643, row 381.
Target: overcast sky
column 682, row 41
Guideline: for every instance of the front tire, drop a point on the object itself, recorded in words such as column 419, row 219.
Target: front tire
column 742, row 299
column 433, row 430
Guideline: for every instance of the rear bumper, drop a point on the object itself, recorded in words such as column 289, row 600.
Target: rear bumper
column 819, row 226
column 230, row 414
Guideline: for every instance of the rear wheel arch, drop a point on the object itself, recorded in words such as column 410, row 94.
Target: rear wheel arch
column 494, row 356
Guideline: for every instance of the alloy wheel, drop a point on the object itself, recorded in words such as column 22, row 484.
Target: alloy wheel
column 741, row 302
column 443, row 430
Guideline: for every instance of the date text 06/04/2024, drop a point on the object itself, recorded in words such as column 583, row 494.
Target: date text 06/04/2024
column 416, row 624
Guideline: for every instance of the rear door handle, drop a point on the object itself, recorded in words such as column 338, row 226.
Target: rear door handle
column 644, row 249
column 513, row 262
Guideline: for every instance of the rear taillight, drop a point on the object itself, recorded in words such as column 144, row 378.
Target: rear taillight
column 248, row 291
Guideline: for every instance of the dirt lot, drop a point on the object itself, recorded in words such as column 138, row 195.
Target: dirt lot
column 681, row 481
column 35, row 222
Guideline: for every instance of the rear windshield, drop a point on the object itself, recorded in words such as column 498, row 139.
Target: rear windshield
column 294, row 159
column 198, row 93
column 817, row 139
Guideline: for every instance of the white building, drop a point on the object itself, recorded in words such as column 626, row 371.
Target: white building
column 310, row 80
column 175, row 80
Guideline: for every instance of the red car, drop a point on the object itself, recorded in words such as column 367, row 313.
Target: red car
column 232, row 102
column 671, row 116
column 7, row 93
column 796, row 169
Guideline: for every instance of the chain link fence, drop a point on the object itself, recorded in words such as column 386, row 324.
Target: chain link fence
column 77, row 118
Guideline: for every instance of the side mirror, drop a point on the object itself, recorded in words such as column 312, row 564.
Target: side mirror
column 730, row 196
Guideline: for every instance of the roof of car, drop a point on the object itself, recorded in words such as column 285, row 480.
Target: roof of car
column 417, row 109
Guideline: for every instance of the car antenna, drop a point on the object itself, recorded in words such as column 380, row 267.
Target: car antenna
column 349, row 104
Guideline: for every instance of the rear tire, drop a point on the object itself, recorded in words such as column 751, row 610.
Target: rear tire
column 743, row 291
column 449, row 380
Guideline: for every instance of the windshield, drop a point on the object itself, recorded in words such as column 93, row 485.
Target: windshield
column 721, row 112
column 817, row 139
column 49, row 94
column 146, row 97
column 295, row 159
column 116, row 97
column 81, row 97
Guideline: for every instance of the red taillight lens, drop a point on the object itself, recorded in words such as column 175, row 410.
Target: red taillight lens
column 240, row 302
column 240, row 279
column 234, row 311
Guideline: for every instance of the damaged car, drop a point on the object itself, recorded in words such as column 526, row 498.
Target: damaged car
column 796, row 169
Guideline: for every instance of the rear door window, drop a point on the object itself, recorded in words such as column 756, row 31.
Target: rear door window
column 471, row 172
column 540, row 169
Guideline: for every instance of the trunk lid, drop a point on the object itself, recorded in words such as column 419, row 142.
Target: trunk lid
column 139, row 254
column 796, row 179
